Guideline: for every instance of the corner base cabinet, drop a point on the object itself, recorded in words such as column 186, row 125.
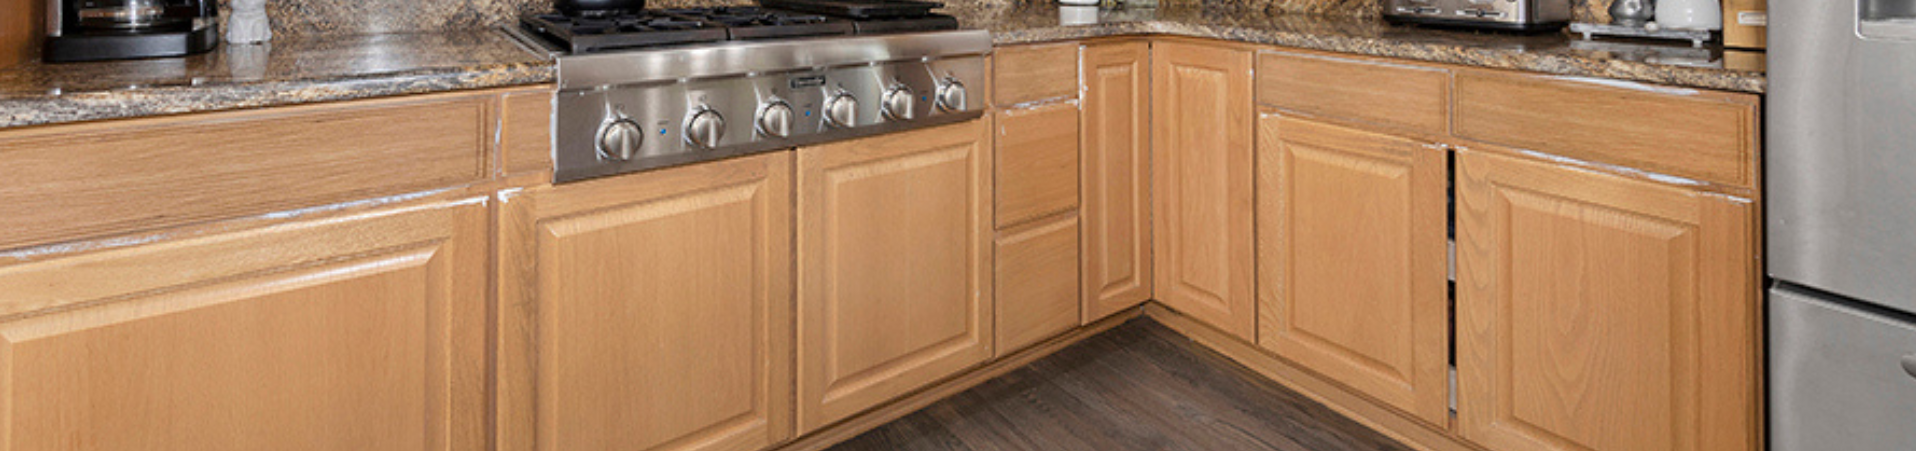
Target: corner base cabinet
column 894, row 245
column 1201, row 128
column 1601, row 313
column 649, row 311
column 1116, row 177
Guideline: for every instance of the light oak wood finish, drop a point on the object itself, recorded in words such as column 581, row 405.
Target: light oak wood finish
column 526, row 142
column 73, row 181
column 650, row 311
column 1599, row 313
column 1361, row 90
column 1364, row 409
column 1352, row 260
column 1032, row 73
column 905, row 405
column 22, row 25
column 1037, row 282
column 1037, row 162
column 894, row 245
column 357, row 331
column 1745, row 36
column 1704, row 135
column 1201, row 183
column 1115, row 199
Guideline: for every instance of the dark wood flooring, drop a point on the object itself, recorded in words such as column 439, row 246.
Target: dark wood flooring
column 1139, row 386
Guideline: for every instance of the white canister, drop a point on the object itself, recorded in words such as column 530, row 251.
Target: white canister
column 1077, row 15
column 1690, row 14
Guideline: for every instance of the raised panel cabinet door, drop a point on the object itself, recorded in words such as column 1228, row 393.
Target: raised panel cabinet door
column 894, row 264
column 1037, row 163
column 363, row 331
column 1353, row 262
column 1597, row 312
column 1116, row 178
column 650, row 311
column 1201, row 183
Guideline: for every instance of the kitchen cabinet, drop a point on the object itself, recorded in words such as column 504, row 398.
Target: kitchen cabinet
column 1602, row 312
column 1037, row 240
column 1201, row 130
column 1116, row 177
column 362, row 330
column 650, row 311
column 1352, row 259
column 894, row 264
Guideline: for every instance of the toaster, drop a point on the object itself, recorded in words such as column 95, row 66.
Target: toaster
column 1518, row 15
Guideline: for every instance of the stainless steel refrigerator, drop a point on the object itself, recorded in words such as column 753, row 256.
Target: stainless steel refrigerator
column 1841, row 222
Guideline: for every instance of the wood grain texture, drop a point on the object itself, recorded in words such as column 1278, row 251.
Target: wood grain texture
column 1363, row 90
column 1365, row 410
column 1037, row 283
column 1353, row 261
column 1037, row 162
column 660, row 310
column 895, row 281
column 1137, row 386
column 1031, row 73
column 73, row 181
column 902, row 406
column 1599, row 313
column 1744, row 36
column 1201, row 183
column 526, row 132
column 1703, row 135
column 362, row 331
column 1115, row 199
column 23, row 25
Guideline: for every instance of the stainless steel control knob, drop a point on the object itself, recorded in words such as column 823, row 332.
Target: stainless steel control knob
column 898, row 103
column 951, row 96
column 620, row 139
column 775, row 119
column 841, row 110
column 704, row 128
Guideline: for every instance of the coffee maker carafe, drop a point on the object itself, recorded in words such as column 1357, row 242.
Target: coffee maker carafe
column 91, row 30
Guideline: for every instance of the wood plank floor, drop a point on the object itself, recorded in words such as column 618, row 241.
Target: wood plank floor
column 1139, row 386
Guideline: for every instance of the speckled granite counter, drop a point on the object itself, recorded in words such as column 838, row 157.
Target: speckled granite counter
column 1550, row 53
column 292, row 70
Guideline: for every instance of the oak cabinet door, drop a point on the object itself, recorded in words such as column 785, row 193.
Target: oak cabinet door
column 894, row 263
column 1201, row 158
column 1036, row 261
column 363, row 332
column 1116, row 178
column 651, row 311
column 1037, row 283
column 1602, row 313
column 1352, row 260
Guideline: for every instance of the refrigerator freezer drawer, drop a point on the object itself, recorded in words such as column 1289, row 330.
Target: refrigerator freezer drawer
column 1841, row 378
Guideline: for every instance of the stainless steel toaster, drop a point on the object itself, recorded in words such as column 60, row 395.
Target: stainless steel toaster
column 1522, row 15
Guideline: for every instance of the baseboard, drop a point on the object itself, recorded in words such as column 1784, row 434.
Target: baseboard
column 851, row 427
column 1384, row 420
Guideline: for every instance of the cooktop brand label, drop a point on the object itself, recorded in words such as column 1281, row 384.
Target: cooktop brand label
column 809, row 81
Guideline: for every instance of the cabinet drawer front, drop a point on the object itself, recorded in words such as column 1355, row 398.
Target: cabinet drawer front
column 1032, row 73
column 359, row 333
column 1413, row 98
column 1037, row 282
column 79, row 180
column 1037, row 162
column 1703, row 135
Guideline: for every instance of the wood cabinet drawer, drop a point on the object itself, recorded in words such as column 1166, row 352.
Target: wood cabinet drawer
column 1702, row 135
column 1037, row 283
column 1414, row 98
column 1037, row 162
column 86, row 179
column 1030, row 73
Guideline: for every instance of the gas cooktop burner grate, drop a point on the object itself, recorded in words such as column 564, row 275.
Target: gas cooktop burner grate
column 748, row 22
column 584, row 34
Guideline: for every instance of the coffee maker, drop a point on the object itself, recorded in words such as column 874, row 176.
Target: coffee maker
column 91, row 30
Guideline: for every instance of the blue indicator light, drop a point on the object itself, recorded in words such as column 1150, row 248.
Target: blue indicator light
column 923, row 98
column 661, row 131
column 808, row 113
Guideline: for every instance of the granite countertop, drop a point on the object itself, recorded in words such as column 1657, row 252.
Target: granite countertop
column 290, row 70
column 1549, row 53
